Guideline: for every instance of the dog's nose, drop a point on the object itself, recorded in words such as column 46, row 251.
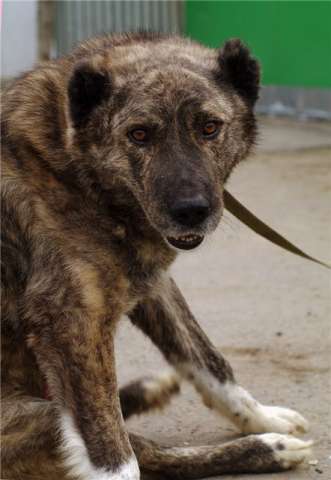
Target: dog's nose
column 190, row 212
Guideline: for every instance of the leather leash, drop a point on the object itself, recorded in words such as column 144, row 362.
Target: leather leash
column 259, row 227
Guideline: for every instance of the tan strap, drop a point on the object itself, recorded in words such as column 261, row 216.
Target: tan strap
column 259, row 227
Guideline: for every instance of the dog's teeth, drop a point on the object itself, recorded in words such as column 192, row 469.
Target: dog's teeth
column 187, row 238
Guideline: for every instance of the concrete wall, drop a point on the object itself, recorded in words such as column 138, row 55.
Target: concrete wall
column 19, row 47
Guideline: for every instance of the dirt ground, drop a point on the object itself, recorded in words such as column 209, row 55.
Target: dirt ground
column 267, row 310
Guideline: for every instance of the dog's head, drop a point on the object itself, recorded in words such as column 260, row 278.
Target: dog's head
column 170, row 119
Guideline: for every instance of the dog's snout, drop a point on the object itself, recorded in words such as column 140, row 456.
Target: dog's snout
column 190, row 212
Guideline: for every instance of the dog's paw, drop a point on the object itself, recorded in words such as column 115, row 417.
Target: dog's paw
column 287, row 451
column 274, row 419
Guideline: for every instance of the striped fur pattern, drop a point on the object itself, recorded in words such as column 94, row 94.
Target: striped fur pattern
column 114, row 158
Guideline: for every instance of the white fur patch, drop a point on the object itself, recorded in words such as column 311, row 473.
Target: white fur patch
column 163, row 383
column 288, row 451
column 77, row 460
column 241, row 408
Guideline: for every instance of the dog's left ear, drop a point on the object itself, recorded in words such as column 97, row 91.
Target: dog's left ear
column 88, row 87
column 238, row 68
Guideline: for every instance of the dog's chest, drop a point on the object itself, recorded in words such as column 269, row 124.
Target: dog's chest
column 143, row 266
column 121, row 273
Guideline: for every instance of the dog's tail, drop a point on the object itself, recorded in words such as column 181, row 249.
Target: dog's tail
column 252, row 454
column 148, row 393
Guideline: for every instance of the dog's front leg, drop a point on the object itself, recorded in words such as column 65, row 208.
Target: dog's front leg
column 75, row 352
column 167, row 320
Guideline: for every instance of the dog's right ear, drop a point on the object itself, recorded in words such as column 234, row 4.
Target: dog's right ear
column 88, row 87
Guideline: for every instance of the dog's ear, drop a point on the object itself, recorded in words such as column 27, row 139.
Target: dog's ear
column 88, row 87
column 238, row 68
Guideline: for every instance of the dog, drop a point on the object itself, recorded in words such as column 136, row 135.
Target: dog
column 115, row 158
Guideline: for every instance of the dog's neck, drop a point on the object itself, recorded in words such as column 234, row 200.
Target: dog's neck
column 78, row 198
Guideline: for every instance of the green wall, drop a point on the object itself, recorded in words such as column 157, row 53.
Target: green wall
column 292, row 39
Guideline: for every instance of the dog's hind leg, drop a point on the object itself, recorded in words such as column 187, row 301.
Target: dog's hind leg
column 167, row 320
column 28, row 440
column 268, row 452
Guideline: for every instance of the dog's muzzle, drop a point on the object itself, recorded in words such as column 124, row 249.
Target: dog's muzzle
column 190, row 213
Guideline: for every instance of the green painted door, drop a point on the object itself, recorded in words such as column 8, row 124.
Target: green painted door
column 292, row 38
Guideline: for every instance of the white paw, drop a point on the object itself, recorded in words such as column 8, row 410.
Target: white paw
column 274, row 419
column 288, row 451
column 77, row 461
column 128, row 471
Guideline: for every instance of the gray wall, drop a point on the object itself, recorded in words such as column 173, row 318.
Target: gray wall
column 78, row 20
column 19, row 48
column 303, row 103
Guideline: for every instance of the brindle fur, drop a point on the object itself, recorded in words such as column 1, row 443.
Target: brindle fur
column 85, row 216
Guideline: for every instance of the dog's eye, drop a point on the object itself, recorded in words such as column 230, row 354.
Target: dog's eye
column 139, row 136
column 211, row 129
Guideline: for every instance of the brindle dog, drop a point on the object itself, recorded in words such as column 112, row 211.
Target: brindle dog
column 114, row 158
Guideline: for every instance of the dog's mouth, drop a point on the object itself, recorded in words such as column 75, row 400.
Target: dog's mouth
column 186, row 242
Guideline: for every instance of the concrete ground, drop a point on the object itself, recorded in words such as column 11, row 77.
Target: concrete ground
column 267, row 310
